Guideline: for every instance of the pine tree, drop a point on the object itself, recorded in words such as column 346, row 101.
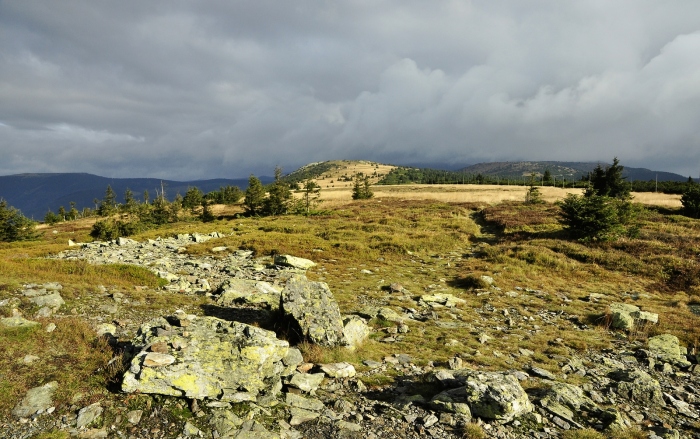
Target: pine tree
column 311, row 194
column 361, row 188
column 277, row 202
column 192, row 199
column 108, row 205
column 254, row 196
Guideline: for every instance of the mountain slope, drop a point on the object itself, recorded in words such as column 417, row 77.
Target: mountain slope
column 35, row 194
column 567, row 170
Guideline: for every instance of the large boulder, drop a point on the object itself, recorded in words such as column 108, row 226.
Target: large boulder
column 208, row 358
column 312, row 311
column 248, row 292
column 496, row 395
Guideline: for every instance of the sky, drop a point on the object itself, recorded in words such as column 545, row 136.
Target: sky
column 203, row 89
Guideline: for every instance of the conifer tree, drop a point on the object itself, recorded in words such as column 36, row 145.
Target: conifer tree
column 254, row 196
column 277, row 202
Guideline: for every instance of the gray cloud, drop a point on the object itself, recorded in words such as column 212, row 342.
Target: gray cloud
column 182, row 90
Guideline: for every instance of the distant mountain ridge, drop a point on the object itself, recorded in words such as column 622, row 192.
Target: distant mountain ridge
column 568, row 170
column 35, row 194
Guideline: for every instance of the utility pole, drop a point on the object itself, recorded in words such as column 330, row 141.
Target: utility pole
column 657, row 183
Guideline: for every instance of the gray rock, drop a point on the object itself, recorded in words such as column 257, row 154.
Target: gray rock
column 300, row 416
column 298, row 401
column 311, row 306
column 294, row 262
column 621, row 315
column 453, row 401
column 626, row 316
column 17, row 322
column 666, row 347
column 542, row 373
column 638, row 386
column 338, row 370
column 38, row 398
column 306, row 382
column 355, row 331
column 217, row 359
column 566, row 401
column 447, row 300
column 134, row 416
column 87, row 415
column 495, row 395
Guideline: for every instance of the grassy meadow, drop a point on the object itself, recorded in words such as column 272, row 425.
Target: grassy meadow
column 549, row 294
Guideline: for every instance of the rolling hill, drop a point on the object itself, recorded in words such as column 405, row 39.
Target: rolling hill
column 566, row 170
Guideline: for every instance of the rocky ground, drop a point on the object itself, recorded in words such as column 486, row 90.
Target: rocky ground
column 216, row 373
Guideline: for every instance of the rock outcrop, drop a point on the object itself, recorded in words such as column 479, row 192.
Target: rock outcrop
column 208, row 358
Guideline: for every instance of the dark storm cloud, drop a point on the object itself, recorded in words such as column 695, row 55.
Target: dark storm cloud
column 209, row 89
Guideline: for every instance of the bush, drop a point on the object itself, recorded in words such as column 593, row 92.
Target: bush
column 13, row 225
column 691, row 201
column 597, row 218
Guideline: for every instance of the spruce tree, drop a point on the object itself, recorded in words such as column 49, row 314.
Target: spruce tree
column 277, row 202
column 254, row 196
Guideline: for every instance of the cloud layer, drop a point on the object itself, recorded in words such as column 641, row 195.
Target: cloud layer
column 185, row 90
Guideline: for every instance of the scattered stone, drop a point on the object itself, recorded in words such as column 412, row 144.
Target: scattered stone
column 542, row 373
column 306, row 382
column 36, row 399
column 87, row 415
column 447, row 300
column 338, row 370
column 355, row 331
column 134, row 416
column 294, row 262
column 638, row 386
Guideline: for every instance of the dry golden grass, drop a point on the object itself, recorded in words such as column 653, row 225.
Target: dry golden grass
column 347, row 168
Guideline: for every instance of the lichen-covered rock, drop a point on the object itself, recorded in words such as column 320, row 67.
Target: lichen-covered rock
column 626, row 316
column 17, row 321
column 294, row 262
column 667, row 348
column 496, row 395
column 311, row 308
column 208, row 358
column 621, row 318
column 249, row 292
column 638, row 386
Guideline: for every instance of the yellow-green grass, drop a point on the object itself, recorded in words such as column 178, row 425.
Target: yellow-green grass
column 433, row 246
column 71, row 355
